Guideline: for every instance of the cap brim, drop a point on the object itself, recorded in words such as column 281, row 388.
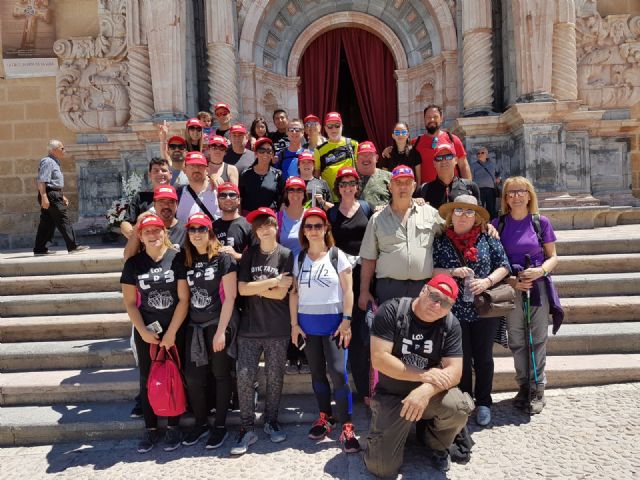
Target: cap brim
column 449, row 207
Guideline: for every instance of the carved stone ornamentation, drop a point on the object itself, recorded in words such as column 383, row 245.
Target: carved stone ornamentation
column 140, row 90
column 608, row 52
column 221, row 51
column 477, row 57
column 91, row 83
column 564, row 77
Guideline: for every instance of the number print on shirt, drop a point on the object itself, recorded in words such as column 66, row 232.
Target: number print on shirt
column 319, row 279
column 414, row 348
column 155, row 275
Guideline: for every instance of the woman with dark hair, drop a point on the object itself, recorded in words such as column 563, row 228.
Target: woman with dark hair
column 156, row 296
column 398, row 153
column 193, row 135
column 321, row 304
column 261, row 185
column 211, row 275
column 259, row 129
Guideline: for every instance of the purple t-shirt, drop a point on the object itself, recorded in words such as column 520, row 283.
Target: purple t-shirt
column 519, row 238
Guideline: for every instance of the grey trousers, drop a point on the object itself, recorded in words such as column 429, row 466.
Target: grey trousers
column 388, row 431
column 518, row 342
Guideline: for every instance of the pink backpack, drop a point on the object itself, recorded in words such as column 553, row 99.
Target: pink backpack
column 165, row 387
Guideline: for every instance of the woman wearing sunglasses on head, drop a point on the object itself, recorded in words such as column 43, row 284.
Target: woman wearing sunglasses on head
column 261, row 185
column 321, row 304
column 398, row 153
column 211, row 275
column 219, row 171
column 465, row 251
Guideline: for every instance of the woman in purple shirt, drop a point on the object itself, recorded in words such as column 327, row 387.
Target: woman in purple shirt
column 522, row 238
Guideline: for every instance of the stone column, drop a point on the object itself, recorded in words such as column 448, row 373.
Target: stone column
column 221, row 49
column 477, row 57
column 564, row 77
column 166, row 21
column 140, row 90
column 533, row 22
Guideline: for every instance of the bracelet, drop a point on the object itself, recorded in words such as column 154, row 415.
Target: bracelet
column 545, row 273
column 346, row 317
column 490, row 281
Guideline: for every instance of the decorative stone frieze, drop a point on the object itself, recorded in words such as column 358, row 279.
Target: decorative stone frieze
column 140, row 90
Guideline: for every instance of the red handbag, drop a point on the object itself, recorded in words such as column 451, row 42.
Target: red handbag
column 165, row 387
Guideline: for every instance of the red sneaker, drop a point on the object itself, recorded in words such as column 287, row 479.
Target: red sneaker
column 321, row 427
column 348, row 439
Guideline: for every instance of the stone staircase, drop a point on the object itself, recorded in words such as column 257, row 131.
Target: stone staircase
column 68, row 372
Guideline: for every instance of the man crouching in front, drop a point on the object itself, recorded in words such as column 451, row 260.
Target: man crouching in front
column 416, row 346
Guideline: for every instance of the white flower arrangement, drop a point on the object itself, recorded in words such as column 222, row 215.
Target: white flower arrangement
column 130, row 186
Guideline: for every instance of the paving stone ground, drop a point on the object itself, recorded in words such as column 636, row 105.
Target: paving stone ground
column 584, row 433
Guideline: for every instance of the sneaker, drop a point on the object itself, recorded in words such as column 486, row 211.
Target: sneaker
column 172, row 439
column 148, row 440
column 304, row 369
column 136, row 411
column 521, row 400
column 42, row 254
column 79, row 248
column 348, row 439
column 483, row 416
column 245, row 439
column 321, row 427
column 194, row 435
column 216, row 438
column 291, row 369
column 538, row 401
column 275, row 432
column 440, row 460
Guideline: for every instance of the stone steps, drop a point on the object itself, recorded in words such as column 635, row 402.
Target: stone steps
column 597, row 284
column 96, row 260
column 609, row 263
column 69, row 283
column 601, row 309
column 61, row 304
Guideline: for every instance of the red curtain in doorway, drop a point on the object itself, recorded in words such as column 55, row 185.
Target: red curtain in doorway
column 372, row 70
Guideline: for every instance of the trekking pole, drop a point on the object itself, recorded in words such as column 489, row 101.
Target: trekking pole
column 527, row 263
column 526, row 330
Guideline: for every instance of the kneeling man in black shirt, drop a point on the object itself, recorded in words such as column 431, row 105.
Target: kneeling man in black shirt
column 416, row 345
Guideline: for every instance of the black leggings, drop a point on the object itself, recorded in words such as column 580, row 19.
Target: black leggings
column 144, row 364
column 359, row 348
column 219, row 367
column 477, row 348
column 322, row 355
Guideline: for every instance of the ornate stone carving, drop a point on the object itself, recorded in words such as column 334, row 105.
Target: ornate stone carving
column 140, row 91
column 564, row 77
column 223, row 84
column 477, row 56
column 608, row 52
column 91, row 83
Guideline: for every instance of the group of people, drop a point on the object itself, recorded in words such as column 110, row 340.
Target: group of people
column 307, row 253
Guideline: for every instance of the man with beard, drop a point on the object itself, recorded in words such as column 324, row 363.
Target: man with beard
column 233, row 231
column 374, row 182
column 222, row 112
column 173, row 151
column 424, row 147
column 199, row 195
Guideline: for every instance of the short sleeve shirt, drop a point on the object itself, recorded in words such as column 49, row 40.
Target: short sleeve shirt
column 205, row 284
column 332, row 156
column 49, row 173
column 261, row 190
column 423, row 146
column 519, row 239
column 140, row 203
column 235, row 233
column 484, row 174
column 375, row 189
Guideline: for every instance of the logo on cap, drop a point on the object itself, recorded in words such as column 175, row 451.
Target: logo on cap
column 402, row 171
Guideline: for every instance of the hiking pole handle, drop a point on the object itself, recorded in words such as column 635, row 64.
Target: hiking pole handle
column 527, row 265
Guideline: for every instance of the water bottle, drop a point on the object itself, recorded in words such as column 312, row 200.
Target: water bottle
column 371, row 313
column 231, row 241
column 467, row 296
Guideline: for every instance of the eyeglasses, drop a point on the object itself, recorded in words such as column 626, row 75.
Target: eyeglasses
column 197, row 129
column 295, row 190
column 516, row 193
column 313, row 226
column 442, row 158
column 333, row 125
column 481, row 153
column 231, row 195
column 295, row 129
column 264, row 150
column 458, row 212
column 440, row 300
column 177, row 146
column 198, row 230
column 352, row 183
column 311, row 124
column 400, row 133
column 217, row 147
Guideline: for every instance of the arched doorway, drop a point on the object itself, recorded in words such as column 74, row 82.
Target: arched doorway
column 350, row 70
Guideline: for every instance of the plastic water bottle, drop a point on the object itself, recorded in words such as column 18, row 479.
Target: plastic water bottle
column 467, row 296
column 372, row 308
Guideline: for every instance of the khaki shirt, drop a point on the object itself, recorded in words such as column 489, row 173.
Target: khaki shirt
column 402, row 253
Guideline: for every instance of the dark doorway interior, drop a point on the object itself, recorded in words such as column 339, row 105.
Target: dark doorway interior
column 202, row 60
column 347, row 103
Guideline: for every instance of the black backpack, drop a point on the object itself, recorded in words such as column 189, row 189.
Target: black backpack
column 535, row 220
column 347, row 148
column 333, row 257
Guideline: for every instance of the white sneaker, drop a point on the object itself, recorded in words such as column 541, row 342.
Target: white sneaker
column 245, row 439
column 483, row 416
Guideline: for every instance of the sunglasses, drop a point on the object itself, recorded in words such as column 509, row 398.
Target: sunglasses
column 264, row 150
column 217, row 147
column 231, row 195
column 481, row 153
column 311, row 124
column 352, row 183
column 295, row 129
column 434, row 142
column 440, row 300
column 313, row 226
column 198, row 230
column 468, row 212
column 177, row 146
column 442, row 158
column 516, row 193
column 197, row 129
column 400, row 133
column 295, row 190
column 222, row 113
column 333, row 125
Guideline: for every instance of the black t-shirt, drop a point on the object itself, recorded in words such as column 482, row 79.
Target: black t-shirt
column 261, row 190
column 399, row 158
column 157, row 283
column 241, row 161
column 437, row 193
column 177, row 234
column 236, row 233
column 348, row 232
column 205, row 283
column 264, row 317
column 140, row 203
column 321, row 186
column 424, row 348
column 280, row 140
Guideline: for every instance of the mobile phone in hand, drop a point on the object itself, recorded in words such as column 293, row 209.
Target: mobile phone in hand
column 301, row 343
column 155, row 327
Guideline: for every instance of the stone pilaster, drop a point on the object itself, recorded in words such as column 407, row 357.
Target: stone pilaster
column 140, row 90
column 564, row 78
column 221, row 50
column 477, row 57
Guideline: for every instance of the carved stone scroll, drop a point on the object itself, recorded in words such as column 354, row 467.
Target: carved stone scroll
column 477, row 56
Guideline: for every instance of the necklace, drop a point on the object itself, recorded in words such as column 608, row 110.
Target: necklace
column 270, row 252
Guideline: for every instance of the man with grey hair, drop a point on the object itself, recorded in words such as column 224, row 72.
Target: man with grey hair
column 53, row 203
column 486, row 175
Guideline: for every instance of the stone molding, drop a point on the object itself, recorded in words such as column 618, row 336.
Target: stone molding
column 477, row 57
column 140, row 90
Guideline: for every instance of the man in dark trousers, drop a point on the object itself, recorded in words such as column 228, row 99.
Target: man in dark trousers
column 53, row 203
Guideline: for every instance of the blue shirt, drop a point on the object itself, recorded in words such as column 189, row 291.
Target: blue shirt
column 288, row 163
column 49, row 172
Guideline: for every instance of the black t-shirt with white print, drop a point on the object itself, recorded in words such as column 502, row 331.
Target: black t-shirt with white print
column 235, row 233
column 157, row 283
column 205, row 284
column 422, row 348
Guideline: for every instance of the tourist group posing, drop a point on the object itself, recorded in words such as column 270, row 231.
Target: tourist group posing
column 313, row 254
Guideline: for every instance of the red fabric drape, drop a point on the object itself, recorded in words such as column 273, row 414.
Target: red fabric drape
column 318, row 72
column 372, row 70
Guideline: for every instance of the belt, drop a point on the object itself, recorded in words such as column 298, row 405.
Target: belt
column 52, row 189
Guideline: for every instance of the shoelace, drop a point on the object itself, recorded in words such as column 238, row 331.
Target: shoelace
column 322, row 421
column 347, row 431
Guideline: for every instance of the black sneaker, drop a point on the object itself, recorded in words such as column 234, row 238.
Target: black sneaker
column 194, row 435
column 136, row 411
column 440, row 460
column 350, row 443
column 321, row 427
column 148, row 440
column 172, row 439
column 216, row 438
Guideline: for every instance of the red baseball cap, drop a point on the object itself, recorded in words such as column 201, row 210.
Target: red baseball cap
column 295, row 182
column 176, row 139
column 332, row 117
column 311, row 118
column 439, row 280
column 196, row 158
column 261, row 141
column 217, row 140
column 165, row 191
column 150, row 221
column 238, row 128
column 261, row 211
column 199, row 219
column 402, row 171
column 222, row 105
column 194, row 122
column 228, row 186
column 366, row 147
column 347, row 171
column 306, row 155
column 314, row 212
column 445, row 147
